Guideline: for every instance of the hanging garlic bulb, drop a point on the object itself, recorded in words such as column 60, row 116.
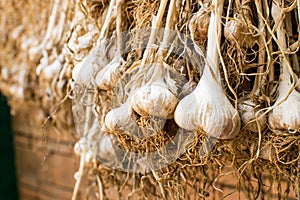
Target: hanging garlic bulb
column 247, row 106
column 248, row 109
column 199, row 22
column 237, row 31
column 120, row 119
column 156, row 97
column 108, row 77
column 284, row 117
column 207, row 107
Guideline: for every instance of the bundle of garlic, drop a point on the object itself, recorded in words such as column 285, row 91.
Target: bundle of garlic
column 145, row 100
column 207, row 107
column 140, row 89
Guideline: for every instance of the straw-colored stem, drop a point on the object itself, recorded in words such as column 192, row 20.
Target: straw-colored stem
column 168, row 26
column 119, row 27
column 262, row 54
column 155, row 25
column 214, row 38
column 108, row 19
column 78, row 181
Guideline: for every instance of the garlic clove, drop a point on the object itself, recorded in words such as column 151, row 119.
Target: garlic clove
column 247, row 110
column 286, row 116
column 108, row 77
column 207, row 108
column 154, row 99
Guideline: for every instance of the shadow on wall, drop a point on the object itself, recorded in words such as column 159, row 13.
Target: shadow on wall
column 8, row 180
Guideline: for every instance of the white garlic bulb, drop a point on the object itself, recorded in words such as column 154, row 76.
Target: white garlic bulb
column 120, row 119
column 154, row 98
column 207, row 108
column 247, row 110
column 286, row 116
column 109, row 76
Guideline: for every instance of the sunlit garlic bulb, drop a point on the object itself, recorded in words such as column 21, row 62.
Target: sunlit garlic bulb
column 247, row 110
column 207, row 108
column 154, row 98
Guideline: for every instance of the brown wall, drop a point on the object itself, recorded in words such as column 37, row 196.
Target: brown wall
column 45, row 161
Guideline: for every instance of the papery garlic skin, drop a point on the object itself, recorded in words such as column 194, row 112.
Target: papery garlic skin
column 247, row 112
column 286, row 116
column 154, row 99
column 207, row 108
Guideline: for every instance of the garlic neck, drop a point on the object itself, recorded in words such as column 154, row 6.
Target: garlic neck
column 214, row 37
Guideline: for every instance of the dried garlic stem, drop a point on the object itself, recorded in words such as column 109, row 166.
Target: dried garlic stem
column 156, row 21
column 108, row 18
column 285, row 116
column 81, row 170
column 270, row 47
column 207, row 107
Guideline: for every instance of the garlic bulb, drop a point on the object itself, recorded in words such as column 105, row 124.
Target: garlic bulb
column 120, row 119
column 237, row 31
column 199, row 22
column 207, row 107
column 109, row 76
column 284, row 117
column 106, row 151
column 247, row 110
column 154, row 98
